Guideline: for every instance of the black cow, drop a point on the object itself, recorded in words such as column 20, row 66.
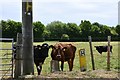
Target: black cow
column 40, row 54
column 101, row 49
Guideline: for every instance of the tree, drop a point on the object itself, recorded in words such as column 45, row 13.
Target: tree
column 105, row 30
column 85, row 28
column 3, row 25
column 73, row 30
column 95, row 30
column 97, row 24
column 64, row 37
column 56, row 28
column 118, row 29
column 46, row 34
column 38, row 29
column 10, row 28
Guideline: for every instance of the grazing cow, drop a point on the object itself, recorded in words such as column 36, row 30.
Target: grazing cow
column 40, row 54
column 101, row 49
column 64, row 52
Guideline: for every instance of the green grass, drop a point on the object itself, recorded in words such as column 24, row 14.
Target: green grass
column 100, row 60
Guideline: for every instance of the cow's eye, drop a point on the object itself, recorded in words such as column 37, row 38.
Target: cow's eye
column 63, row 49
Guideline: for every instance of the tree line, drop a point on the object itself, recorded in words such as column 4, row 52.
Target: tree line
column 58, row 30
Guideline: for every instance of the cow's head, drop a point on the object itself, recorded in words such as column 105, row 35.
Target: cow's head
column 98, row 49
column 42, row 49
column 45, row 48
column 58, row 52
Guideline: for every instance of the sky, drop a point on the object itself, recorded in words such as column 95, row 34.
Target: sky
column 72, row 11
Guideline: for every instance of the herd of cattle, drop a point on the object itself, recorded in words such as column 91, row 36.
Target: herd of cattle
column 60, row 52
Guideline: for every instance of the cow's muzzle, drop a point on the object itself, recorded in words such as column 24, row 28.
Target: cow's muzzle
column 58, row 56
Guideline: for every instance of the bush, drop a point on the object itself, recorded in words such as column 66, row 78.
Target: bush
column 64, row 37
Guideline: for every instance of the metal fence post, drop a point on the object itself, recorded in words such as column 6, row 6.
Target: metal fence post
column 92, row 57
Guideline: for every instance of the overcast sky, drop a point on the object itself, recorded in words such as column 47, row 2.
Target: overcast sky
column 46, row 11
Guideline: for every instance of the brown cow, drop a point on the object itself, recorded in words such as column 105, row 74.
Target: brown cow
column 64, row 52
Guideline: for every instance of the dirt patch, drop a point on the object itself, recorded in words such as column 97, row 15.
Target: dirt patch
column 87, row 75
column 78, row 74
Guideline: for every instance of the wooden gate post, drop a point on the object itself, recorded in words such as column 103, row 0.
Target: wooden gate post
column 18, row 62
column 54, row 65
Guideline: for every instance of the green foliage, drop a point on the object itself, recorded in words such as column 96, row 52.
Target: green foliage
column 73, row 30
column 64, row 37
column 95, row 30
column 85, row 27
column 10, row 28
column 106, row 30
column 46, row 34
column 118, row 29
column 113, row 31
column 56, row 29
column 38, row 29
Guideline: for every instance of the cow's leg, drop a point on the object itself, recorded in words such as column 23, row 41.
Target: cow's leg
column 39, row 68
column 37, row 64
column 62, row 65
column 70, row 63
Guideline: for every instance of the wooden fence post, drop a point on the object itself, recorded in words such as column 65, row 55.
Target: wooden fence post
column 92, row 57
column 54, row 65
column 108, row 54
column 18, row 62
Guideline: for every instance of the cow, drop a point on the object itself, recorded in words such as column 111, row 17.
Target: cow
column 40, row 54
column 64, row 52
column 101, row 49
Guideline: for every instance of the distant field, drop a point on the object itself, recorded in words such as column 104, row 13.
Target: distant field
column 100, row 62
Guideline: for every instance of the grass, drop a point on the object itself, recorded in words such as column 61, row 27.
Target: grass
column 100, row 60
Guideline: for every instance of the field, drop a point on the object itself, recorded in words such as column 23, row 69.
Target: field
column 100, row 63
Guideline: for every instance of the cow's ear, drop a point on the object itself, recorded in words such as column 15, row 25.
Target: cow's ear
column 34, row 47
column 64, row 48
column 39, row 46
column 51, row 46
